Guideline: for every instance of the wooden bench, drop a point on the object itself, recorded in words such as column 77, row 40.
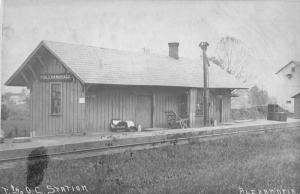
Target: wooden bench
column 175, row 121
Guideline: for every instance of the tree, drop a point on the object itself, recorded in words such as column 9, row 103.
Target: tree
column 258, row 97
column 233, row 56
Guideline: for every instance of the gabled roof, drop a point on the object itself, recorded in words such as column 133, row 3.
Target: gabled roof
column 296, row 95
column 96, row 65
column 294, row 62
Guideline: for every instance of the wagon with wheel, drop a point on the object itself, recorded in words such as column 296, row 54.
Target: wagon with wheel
column 175, row 121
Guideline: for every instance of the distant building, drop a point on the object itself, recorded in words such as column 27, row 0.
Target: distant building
column 289, row 85
column 76, row 88
column 17, row 99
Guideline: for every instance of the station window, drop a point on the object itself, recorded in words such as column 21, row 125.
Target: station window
column 289, row 75
column 293, row 69
column 55, row 98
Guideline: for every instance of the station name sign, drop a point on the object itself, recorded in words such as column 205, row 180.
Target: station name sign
column 56, row 77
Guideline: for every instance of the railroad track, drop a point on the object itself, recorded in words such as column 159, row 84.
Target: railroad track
column 92, row 152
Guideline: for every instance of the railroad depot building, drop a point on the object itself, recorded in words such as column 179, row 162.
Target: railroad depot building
column 76, row 88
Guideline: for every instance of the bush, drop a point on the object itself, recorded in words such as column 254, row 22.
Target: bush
column 18, row 112
column 258, row 97
column 258, row 112
column 16, row 128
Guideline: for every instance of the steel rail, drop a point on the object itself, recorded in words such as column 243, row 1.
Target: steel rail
column 172, row 141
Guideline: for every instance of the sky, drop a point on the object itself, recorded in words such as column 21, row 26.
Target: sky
column 270, row 29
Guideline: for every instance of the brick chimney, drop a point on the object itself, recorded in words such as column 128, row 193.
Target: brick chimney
column 173, row 50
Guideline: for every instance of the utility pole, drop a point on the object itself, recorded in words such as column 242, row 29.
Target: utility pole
column 203, row 46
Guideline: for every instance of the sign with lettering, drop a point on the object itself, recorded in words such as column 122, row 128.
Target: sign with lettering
column 56, row 77
column 44, row 190
column 81, row 100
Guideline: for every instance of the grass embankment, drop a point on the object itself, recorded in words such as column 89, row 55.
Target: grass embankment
column 265, row 161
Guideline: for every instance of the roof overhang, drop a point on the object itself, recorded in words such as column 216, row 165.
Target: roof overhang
column 16, row 75
column 10, row 80
column 179, row 86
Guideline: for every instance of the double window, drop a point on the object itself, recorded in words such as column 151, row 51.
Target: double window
column 56, row 98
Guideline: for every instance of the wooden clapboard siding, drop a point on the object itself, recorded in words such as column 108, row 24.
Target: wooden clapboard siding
column 215, row 97
column 227, row 109
column 214, row 108
column 165, row 99
column 71, row 117
column 105, row 103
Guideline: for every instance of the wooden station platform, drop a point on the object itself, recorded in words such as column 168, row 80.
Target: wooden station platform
column 64, row 145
